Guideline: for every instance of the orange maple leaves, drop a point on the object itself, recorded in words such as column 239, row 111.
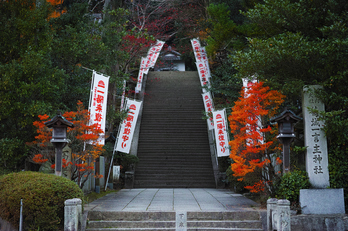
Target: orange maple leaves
column 83, row 142
column 58, row 12
column 39, row 159
column 249, row 145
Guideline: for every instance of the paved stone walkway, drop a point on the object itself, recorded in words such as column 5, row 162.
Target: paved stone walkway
column 140, row 200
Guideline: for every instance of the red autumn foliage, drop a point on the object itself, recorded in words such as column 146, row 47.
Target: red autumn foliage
column 39, row 159
column 58, row 10
column 83, row 143
column 249, row 148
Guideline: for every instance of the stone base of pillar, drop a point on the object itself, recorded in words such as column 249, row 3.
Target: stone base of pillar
column 322, row 201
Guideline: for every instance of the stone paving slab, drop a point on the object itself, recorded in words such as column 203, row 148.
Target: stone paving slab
column 176, row 199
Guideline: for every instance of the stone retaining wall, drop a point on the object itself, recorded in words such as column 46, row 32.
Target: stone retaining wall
column 302, row 222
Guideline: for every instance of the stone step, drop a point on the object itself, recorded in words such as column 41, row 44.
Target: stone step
column 171, row 224
column 174, row 175
column 175, row 184
column 172, row 124
column 171, row 164
column 173, row 229
column 154, row 170
column 168, row 122
column 143, row 170
column 189, row 162
column 168, row 160
column 173, row 127
column 156, row 177
column 241, row 220
column 158, row 153
column 158, row 162
column 152, row 135
column 179, row 147
column 131, row 224
column 169, row 215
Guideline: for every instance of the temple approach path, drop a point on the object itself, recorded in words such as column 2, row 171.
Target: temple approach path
column 157, row 208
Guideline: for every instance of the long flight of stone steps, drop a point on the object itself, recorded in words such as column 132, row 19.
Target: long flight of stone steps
column 166, row 221
column 173, row 146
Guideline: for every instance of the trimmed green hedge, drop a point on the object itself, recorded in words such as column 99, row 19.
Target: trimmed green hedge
column 43, row 199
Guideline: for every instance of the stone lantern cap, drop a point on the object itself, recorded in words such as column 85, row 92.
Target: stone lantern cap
column 286, row 121
column 286, row 116
column 60, row 121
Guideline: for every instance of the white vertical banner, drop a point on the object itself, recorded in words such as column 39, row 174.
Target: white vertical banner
column 98, row 103
column 154, row 52
column 209, row 108
column 221, row 137
column 127, row 128
column 203, row 75
column 205, row 60
column 246, row 85
column 147, row 66
column 197, row 49
column 141, row 74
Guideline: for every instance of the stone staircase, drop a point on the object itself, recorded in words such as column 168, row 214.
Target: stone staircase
column 166, row 221
column 173, row 146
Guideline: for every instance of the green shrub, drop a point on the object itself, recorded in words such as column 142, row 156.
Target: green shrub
column 43, row 199
column 290, row 185
column 127, row 161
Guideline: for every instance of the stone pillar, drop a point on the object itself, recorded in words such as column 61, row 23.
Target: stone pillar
column 72, row 214
column 58, row 158
column 116, row 172
column 79, row 210
column 102, row 171
column 271, row 212
column 129, row 180
column 181, row 221
column 315, row 140
column 320, row 200
column 67, row 156
column 283, row 212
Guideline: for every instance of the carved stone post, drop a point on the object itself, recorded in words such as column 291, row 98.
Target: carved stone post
column 271, row 212
column 283, row 211
column 72, row 214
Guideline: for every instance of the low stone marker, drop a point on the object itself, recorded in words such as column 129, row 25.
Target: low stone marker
column 271, row 211
column 181, row 221
column 278, row 215
column 72, row 214
column 283, row 211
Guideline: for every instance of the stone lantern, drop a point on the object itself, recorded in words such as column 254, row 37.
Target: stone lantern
column 59, row 140
column 286, row 121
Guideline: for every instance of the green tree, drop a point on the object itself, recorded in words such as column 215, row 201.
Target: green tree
column 222, row 30
column 40, row 67
column 76, row 43
column 299, row 43
column 29, row 83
